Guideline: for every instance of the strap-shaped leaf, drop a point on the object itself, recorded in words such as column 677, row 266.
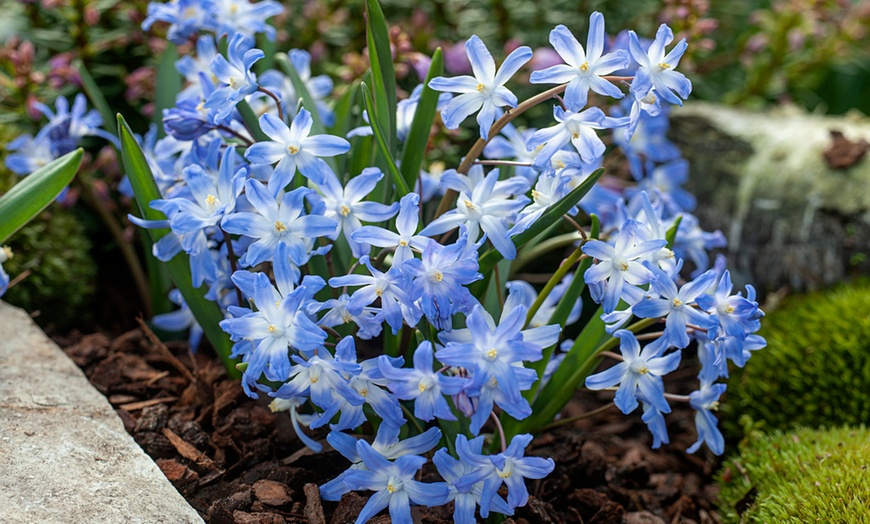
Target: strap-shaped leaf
column 168, row 86
column 563, row 309
column 249, row 117
column 383, row 145
column 414, row 149
column 302, row 93
column 207, row 313
column 550, row 217
column 35, row 192
column 383, row 74
column 95, row 95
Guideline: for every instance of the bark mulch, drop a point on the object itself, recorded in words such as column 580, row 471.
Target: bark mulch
column 236, row 462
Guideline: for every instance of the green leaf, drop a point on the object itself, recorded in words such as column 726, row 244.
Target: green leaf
column 35, row 192
column 383, row 74
column 207, row 313
column 95, row 95
column 671, row 233
column 563, row 310
column 252, row 122
column 383, row 145
column 343, row 118
column 418, row 136
column 302, row 93
column 168, row 86
column 547, row 220
column 578, row 363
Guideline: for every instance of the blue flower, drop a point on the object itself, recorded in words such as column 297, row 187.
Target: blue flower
column 394, row 485
column 484, row 204
column 235, row 75
column 386, row 443
column 280, row 323
column 422, row 385
column 705, row 401
column 467, row 499
column 322, row 378
column 485, row 90
column 346, row 205
column 619, row 264
column 439, row 280
column 576, row 128
column 640, row 372
column 389, row 287
column 29, row 154
column 241, row 16
column 276, row 222
column 180, row 320
column 676, row 306
column 5, row 254
column 186, row 17
column 493, row 354
column 293, row 148
column 584, row 69
column 668, row 83
column 405, row 239
column 510, row 468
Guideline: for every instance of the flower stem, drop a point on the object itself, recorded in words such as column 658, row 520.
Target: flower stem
column 500, row 430
column 557, row 277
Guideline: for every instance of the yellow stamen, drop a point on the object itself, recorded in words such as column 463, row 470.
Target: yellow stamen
column 643, row 371
column 210, row 200
column 492, row 354
column 584, row 66
column 422, row 387
column 438, row 276
column 677, row 302
column 403, row 243
column 505, row 474
column 479, row 87
column 623, row 266
column 280, row 227
column 272, row 328
column 391, row 488
column 292, row 149
column 664, row 65
column 345, row 210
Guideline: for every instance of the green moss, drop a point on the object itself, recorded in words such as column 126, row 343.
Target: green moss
column 54, row 251
column 804, row 476
column 816, row 369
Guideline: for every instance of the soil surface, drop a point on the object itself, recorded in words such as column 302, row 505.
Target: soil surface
column 236, row 462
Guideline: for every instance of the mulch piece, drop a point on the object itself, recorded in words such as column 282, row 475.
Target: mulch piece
column 236, row 462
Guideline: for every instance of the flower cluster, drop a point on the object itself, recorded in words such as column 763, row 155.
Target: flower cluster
column 315, row 251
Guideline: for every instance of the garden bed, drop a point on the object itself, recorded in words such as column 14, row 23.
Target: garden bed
column 237, row 462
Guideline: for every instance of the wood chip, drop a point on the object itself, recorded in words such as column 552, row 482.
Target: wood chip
column 187, row 450
column 157, row 377
column 272, row 493
column 122, row 399
column 135, row 406
column 313, row 508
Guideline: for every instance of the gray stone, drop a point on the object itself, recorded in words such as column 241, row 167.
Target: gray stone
column 64, row 454
column 791, row 219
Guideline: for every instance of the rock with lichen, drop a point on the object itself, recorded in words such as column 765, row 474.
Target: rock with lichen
column 790, row 190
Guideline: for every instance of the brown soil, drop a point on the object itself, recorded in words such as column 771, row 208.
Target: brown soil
column 236, row 462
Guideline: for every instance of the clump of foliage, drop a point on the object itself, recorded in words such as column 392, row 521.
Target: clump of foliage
column 804, row 476
column 54, row 251
column 816, row 368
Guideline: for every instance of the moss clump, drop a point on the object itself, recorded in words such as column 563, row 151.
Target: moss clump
column 815, row 370
column 804, row 476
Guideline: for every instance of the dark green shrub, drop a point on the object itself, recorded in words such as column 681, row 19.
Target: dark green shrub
column 804, row 476
column 816, row 369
